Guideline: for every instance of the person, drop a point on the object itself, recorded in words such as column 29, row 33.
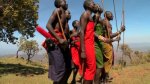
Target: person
column 99, row 40
column 60, row 64
column 98, row 44
column 87, row 42
column 75, row 49
column 67, row 29
column 108, row 47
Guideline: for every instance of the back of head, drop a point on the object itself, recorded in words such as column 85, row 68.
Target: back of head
column 86, row 4
column 57, row 3
column 68, row 15
column 74, row 23
column 107, row 13
column 99, row 8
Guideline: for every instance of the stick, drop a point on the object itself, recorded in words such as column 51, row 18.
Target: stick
column 61, row 26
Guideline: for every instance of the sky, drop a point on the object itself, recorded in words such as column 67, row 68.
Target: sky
column 137, row 16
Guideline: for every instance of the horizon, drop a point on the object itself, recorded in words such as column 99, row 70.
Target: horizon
column 136, row 22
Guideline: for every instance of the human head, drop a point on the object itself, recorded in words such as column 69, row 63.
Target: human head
column 108, row 15
column 68, row 15
column 99, row 9
column 76, row 24
column 89, row 5
column 61, row 3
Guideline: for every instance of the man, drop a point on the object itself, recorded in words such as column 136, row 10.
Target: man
column 68, row 17
column 108, row 47
column 75, row 49
column 87, row 42
column 98, row 44
column 99, row 39
column 58, row 71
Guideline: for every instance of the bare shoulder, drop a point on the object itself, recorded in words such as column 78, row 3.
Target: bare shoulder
column 85, row 15
column 56, row 10
column 103, row 21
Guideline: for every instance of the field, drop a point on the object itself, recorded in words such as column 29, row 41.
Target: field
column 17, row 71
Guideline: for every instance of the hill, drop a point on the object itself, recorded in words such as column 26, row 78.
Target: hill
column 16, row 71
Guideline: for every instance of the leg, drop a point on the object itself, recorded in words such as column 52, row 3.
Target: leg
column 87, row 82
column 97, row 76
column 55, row 82
column 67, row 58
column 99, row 62
column 57, row 68
column 75, row 71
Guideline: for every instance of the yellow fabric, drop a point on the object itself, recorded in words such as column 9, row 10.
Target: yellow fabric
column 108, row 55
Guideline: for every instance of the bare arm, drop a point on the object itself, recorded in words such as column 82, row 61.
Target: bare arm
column 74, row 34
column 115, row 34
column 50, row 22
column 119, row 32
column 107, row 40
column 83, row 22
column 67, row 30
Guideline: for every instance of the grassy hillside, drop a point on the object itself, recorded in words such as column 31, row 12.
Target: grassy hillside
column 139, row 74
column 16, row 71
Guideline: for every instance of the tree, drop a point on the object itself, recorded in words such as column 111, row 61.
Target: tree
column 29, row 47
column 17, row 16
column 21, row 42
column 126, row 50
column 138, row 54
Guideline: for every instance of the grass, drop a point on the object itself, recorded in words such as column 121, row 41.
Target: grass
column 139, row 74
column 16, row 71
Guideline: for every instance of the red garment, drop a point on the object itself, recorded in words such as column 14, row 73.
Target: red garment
column 48, row 35
column 90, row 62
column 75, row 53
column 43, row 32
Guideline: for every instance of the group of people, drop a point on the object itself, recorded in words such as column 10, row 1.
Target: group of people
column 88, row 46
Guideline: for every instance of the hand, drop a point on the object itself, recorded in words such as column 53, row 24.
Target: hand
column 62, row 41
column 104, row 39
column 118, row 38
column 72, row 43
column 108, row 41
column 83, row 55
column 122, row 29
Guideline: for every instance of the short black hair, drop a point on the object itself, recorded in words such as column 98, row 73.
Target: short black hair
column 57, row 3
column 107, row 13
column 86, row 4
column 73, row 23
column 100, row 9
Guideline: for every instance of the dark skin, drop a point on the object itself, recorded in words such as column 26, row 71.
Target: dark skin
column 68, row 17
column 84, row 19
column 106, row 23
column 74, row 33
column 97, row 19
column 76, row 30
column 54, row 22
column 109, row 17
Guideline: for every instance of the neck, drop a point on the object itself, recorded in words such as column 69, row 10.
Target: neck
column 107, row 19
column 62, row 9
column 89, row 12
